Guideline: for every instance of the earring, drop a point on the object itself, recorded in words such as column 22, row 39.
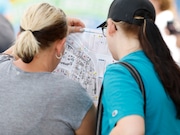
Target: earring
column 59, row 57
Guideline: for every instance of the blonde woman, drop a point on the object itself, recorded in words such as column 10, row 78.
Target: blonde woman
column 33, row 99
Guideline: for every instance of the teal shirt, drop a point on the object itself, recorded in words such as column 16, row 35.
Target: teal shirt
column 122, row 97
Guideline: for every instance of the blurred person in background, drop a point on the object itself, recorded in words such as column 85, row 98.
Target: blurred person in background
column 34, row 100
column 166, row 13
column 7, row 34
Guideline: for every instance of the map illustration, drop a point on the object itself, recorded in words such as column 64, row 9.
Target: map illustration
column 85, row 60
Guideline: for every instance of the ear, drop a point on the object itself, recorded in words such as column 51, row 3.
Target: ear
column 18, row 33
column 111, row 27
column 60, row 45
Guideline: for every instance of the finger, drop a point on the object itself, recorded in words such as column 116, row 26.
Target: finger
column 78, row 29
column 74, row 29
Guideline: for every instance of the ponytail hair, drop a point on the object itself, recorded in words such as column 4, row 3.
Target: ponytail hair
column 157, row 51
column 41, row 25
column 26, row 46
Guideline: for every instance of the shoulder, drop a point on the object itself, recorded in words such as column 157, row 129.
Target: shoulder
column 68, row 100
column 115, row 68
column 116, row 73
column 69, row 91
column 5, row 57
column 66, row 82
column 70, row 88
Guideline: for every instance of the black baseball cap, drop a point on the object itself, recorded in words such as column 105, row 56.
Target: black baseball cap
column 131, row 11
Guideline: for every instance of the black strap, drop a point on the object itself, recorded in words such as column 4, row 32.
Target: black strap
column 99, row 113
column 138, row 79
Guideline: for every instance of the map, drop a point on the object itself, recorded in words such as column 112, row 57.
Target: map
column 85, row 60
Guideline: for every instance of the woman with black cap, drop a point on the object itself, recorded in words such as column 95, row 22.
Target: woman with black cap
column 134, row 38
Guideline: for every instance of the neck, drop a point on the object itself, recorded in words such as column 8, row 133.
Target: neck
column 40, row 63
column 128, row 46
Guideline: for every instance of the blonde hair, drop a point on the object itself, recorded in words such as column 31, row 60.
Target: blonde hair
column 41, row 25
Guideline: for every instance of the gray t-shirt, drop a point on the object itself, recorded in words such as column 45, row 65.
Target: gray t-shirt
column 39, row 103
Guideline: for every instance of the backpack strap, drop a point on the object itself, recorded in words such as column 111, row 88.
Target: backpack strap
column 99, row 113
column 138, row 79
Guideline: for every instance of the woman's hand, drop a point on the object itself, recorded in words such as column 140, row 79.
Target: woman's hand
column 75, row 25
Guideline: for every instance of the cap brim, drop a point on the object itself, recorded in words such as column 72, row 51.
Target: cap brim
column 101, row 25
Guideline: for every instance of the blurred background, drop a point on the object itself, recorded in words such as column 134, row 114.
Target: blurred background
column 92, row 12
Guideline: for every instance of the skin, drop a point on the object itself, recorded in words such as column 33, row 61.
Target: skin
column 88, row 126
column 132, row 124
column 75, row 25
column 47, row 56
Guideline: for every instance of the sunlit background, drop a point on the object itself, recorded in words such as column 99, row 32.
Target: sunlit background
column 92, row 12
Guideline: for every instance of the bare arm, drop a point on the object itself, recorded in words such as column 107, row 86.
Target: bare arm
column 88, row 125
column 130, row 125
